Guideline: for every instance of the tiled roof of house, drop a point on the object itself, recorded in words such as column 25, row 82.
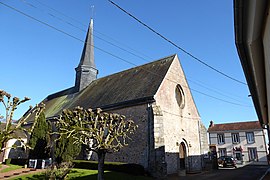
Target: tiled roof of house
column 135, row 84
column 250, row 125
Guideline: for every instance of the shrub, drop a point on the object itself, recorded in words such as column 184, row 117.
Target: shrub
column 58, row 171
column 7, row 161
column 134, row 169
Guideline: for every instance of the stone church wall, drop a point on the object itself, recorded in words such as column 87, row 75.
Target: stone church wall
column 180, row 120
column 137, row 150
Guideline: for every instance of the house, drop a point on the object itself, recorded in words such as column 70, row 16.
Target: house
column 14, row 153
column 245, row 141
column 252, row 38
column 156, row 96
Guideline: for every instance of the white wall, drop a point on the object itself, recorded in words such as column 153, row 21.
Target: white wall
column 259, row 144
column 9, row 144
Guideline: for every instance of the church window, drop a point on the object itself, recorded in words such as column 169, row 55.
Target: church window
column 179, row 95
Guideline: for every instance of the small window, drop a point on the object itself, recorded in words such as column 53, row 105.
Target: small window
column 250, row 137
column 180, row 97
column 235, row 138
column 221, row 139
column 252, row 154
column 222, row 152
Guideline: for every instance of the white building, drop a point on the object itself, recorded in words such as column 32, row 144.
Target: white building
column 246, row 141
column 252, row 38
column 14, row 153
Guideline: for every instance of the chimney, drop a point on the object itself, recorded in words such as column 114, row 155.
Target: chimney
column 211, row 124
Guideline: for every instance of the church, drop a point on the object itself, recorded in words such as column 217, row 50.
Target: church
column 170, row 137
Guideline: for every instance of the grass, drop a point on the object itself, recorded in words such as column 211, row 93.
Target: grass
column 11, row 168
column 84, row 174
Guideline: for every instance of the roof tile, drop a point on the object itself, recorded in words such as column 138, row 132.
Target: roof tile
column 249, row 125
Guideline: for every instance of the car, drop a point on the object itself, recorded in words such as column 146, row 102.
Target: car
column 227, row 161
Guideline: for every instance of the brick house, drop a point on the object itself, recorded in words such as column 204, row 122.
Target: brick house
column 170, row 137
column 246, row 141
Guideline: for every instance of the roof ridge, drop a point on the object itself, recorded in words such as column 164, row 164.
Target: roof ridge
column 236, row 122
column 136, row 67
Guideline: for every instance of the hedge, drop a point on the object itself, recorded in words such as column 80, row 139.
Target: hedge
column 134, row 169
column 20, row 162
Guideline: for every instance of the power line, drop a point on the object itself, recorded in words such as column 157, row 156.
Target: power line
column 123, row 49
column 121, row 43
column 60, row 19
column 185, row 117
column 52, row 15
column 177, row 46
column 113, row 55
column 73, row 19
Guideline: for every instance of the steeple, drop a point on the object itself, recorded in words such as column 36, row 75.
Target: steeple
column 86, row 71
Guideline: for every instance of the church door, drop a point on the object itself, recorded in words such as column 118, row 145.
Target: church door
column 182, row 155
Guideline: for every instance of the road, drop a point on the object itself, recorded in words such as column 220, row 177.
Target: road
column 248, row 172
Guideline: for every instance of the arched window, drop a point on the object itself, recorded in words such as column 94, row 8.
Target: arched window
column 180, row 96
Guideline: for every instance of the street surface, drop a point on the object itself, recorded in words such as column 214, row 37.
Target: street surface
column 248, row 172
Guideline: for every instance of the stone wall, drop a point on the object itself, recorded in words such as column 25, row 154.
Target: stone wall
column 181, row 121
column 137, row 151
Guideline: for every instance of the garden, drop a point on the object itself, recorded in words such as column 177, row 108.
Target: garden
column 61, row 140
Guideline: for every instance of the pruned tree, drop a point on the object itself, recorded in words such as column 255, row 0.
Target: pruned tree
column 99, row 131
column 9, row 129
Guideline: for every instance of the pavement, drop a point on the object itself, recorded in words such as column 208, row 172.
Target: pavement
column 17, row 172
column 242, row 172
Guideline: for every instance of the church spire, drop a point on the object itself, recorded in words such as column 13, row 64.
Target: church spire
column 86, row 71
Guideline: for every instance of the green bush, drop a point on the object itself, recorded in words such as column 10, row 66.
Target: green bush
column 134, row 169
column 7, row 161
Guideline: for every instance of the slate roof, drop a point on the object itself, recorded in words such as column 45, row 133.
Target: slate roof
column 237, row 126
column 18, row 133
column 138, row 84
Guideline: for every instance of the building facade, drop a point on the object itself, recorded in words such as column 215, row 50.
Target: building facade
column 245, row 141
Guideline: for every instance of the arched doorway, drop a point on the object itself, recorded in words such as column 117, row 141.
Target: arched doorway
column 182, row 156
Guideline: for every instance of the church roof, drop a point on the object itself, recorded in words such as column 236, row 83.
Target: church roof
column 237, row 126
column 135, row 85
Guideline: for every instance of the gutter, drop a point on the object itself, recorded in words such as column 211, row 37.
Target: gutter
column 248, row 48
column 124, row 104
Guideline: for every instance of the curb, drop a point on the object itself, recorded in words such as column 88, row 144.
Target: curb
column 266, row 172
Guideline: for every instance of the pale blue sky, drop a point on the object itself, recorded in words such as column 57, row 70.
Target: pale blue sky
column 37, row 60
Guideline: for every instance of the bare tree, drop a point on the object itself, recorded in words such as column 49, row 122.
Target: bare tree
column 9, row 129
column 99, row 131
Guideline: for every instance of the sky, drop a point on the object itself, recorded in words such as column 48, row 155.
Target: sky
column 38, row 60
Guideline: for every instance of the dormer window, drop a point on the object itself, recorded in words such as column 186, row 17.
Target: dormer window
column 180, row 96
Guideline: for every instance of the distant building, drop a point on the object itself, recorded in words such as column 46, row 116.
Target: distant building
column 170, row 137
column 246, row 141
column 14, row 153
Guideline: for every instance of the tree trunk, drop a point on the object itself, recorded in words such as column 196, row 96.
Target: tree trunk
column 101, row 158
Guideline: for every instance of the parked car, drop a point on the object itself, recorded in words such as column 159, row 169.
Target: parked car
column 226, row 161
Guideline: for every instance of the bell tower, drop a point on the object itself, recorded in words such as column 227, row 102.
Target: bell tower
column 86, row 71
